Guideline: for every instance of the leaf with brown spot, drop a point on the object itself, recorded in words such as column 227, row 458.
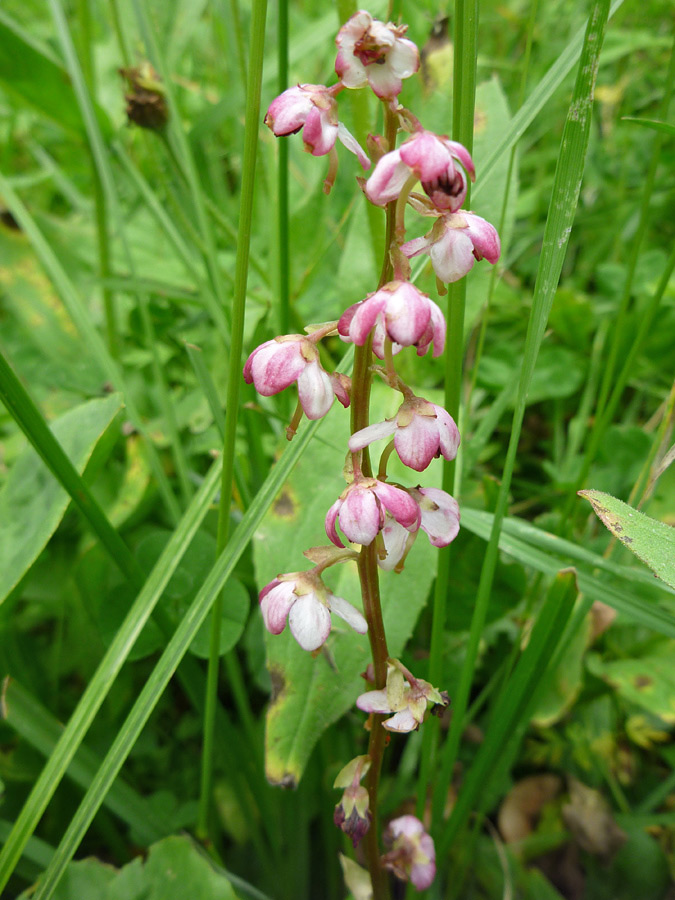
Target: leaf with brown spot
column 651, row 541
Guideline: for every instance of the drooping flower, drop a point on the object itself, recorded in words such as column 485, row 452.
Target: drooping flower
column 407, row 697
column 412, row 856
column 276, row 364
column 454, row 243
column 303, row 599
column 312, row 108
column 440, row 515
column 352, row 814
column 433, row 159
column 399, row 311
column 372, row 52
column 361, row 510
column 439, row 519
column 421, row 430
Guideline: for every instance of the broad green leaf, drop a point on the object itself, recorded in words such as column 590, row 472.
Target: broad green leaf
column 309, row 694
column 649, row 681
column 32, row 502
column 174, row 869
column 651, row 541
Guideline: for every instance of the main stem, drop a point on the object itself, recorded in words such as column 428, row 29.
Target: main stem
column 367, row 564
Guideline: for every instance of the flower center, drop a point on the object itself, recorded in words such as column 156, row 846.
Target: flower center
column 451, row 187
column 368, row 50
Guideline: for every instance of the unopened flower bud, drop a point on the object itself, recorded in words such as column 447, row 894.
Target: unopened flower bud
column 352, row 814
column 146, row 100
column 412, row 856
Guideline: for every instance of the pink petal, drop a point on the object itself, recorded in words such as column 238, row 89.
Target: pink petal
column 407, row 314
column 319, row 134
column 400, row 504
column 416, row 246
column 274, row 366
column 448, row 433
column 460, row 153
column 315, row 391
column 331, row 530
column 361, row 439
column 309, row 621
column 408, row 825
column 346, row 611
column 287, row 113
column 364, row 317
column 341, row 385
column 350, row 70
column 374, row 702
column 387, row 179
column 426, row 155
column 417, row 443
column 486, row 244
column 275, row 605
column 349, row 141
column 361, row 516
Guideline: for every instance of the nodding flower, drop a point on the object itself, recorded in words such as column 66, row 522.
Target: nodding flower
column 454, row 243
column 374, row 53
column 429, row 158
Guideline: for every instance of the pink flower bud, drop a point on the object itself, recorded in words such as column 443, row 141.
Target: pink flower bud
column 412, row 856
column 304, row 600
column 432, row 158
column 399, row 311
column 352, row 814
column 454, row 243
column 276, row 364
column 312, row 108
column 421, row 430
column 361, row 511
column 370, row 52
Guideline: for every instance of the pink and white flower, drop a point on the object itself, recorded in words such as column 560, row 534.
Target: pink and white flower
column 312, row 108
column 361, row 510
column 276, row 364
column 454, row 243
column 399, row 311
column 372, row 52
column 433, row 160
column 421, row 430
column 304, row 600
column 407, row 697
column 439, row 519
column 412, row 856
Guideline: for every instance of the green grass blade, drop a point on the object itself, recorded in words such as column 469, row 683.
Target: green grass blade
column 518, row 698
column 566, row 186
column 99, row 686
column 168, row 662
column 538, row 99
column 35, row 724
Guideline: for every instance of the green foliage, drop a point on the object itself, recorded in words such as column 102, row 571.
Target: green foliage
column 119, row 247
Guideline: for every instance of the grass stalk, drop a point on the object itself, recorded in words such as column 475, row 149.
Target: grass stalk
column 567, row 182
column 232, row 407
column 466, row 42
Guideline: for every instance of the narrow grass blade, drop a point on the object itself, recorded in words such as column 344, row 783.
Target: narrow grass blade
column 99, row 686
column 538, row 99
column 168, row 662
column 566, row 187
column 35, row 724
column 519, row 697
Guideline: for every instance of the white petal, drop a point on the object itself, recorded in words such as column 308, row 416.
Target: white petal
column 350, row 142
column 361, row 439
column 315, row 391
column 373, row 702
column 309, row 621
column 347, row 612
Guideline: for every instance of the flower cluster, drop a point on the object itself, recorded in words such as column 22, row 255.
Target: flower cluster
column 375, row 520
